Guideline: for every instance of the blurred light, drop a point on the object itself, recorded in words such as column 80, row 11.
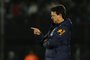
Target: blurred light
column 7, row 1
column 11, row 55
column 31, row 57
column 33, row 9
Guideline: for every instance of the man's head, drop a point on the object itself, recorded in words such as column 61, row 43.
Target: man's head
column 58, row 13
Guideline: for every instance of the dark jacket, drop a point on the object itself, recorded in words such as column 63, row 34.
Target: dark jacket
column 57, row 42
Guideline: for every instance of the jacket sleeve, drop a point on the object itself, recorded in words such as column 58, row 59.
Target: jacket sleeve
column 58, row 38
column 41, row 38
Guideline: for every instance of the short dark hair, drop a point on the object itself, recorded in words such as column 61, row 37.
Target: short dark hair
column 59, row 10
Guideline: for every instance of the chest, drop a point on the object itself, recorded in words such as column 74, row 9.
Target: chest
column 53, row 32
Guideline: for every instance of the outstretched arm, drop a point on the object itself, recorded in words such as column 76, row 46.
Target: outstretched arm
column 37, row 32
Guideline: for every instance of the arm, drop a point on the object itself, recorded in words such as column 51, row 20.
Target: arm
column 40, row 35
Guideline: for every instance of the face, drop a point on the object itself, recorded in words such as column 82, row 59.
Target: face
column 54, row 17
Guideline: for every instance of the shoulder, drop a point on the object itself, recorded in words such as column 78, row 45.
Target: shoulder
column 64, row 28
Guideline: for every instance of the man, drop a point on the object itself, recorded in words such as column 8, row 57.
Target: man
column 57, row 40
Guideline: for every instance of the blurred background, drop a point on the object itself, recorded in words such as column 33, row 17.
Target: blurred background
column 17, row 16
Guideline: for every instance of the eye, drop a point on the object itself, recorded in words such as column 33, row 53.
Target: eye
column 53, row 15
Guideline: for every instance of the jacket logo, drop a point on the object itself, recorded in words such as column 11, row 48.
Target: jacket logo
column 61, row 31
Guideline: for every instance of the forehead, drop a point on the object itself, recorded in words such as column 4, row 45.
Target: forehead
column 53, row 13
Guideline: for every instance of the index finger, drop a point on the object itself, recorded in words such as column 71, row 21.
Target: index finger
column 33, row 28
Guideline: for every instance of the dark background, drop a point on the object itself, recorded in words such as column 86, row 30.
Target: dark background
column 17, row 16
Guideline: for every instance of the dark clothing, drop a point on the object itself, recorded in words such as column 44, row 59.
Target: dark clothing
column 57, row 42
